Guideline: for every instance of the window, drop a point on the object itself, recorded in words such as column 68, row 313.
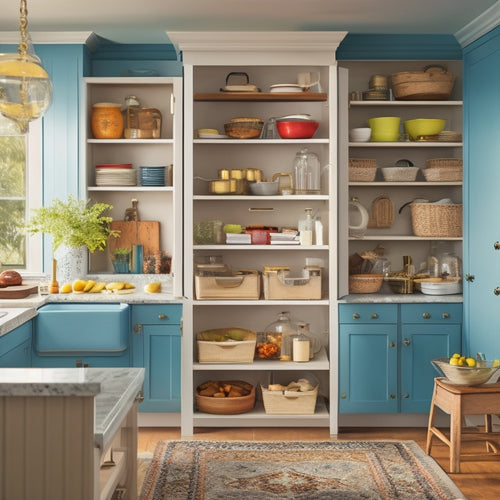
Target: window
column 20, row 192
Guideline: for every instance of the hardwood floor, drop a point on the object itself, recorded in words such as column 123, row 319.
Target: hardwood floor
column 479, row 478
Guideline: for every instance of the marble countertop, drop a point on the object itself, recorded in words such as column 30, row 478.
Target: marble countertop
column 400, row 298
column 115, row 390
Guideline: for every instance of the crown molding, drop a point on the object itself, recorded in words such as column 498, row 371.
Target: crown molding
column 484, row 23
column 47, row 37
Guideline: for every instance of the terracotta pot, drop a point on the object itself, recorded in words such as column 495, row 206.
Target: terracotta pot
column 107, row 120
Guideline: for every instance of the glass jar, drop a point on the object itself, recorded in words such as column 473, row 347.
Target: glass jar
column 306, row 173
column 315, row 344
column 281, row 332
column 301, row 347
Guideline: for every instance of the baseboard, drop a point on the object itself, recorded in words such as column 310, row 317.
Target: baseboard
column 389, row 420
column 159, row 419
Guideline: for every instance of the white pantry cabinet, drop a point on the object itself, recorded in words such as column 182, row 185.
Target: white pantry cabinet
column 268, row 59
column 398, row 240
column 156, row 203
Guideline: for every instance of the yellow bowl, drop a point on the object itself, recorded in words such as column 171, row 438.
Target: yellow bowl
column 422, row 127
column 384, row 128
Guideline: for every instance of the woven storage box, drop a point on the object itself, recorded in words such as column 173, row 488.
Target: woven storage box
column 444, row 163
column 278, row 285
column 435, row 220
column 443, row 174
column 289, row 402
column 244, row 284
column 227, row 406
column 400, row 174
column 365, row 283
column 362, row 169
column 435, row 83
column 230, row 351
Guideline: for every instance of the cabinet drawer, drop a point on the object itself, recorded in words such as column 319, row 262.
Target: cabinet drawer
column 368, row 313
column 157, row 314
column 431, row 313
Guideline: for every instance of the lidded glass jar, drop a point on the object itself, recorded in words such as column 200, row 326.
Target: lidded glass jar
column 306, row 173
column 315, row 345
column 282, row 331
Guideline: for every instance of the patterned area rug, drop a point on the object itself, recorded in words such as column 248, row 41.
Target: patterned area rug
column 347, row 470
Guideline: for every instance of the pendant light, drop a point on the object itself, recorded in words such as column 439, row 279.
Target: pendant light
column 25, row 87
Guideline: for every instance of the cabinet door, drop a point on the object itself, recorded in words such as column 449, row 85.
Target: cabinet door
column 15, row 347
column 368, row 368
column 419, row 344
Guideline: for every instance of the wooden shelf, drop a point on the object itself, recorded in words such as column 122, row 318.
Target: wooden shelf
column 261, row 96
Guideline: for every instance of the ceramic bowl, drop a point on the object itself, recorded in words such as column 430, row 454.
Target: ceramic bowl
column 384, row 128
column 360, row 134
column 300, row 129
column 422, row 127
column 264, row 188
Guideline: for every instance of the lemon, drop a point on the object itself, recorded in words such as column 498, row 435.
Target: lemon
column 461, row 361
column 129, row 286
column 79, row 285
column 66, row 288
column 88, row 286
column 470, row 361
column 454, row 361
column 456, row 355
column 115, row 285
column 495, row 362
column 154, row 287
column 97, row 288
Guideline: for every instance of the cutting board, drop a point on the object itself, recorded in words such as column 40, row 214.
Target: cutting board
column 18, row 291
column 145, row 233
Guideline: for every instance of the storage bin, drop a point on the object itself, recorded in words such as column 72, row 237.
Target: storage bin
column 362, row 169
column 208, row 232
column 230, row 351
column 433, row 83
column 241, row 284
column 227, row 406
column 289, row 402
column 436, row 220
column 279, row 285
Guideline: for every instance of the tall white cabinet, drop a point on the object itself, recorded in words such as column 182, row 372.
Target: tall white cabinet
column 267, row 58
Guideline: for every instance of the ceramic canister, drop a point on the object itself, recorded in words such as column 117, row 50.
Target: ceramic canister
column 107, row 120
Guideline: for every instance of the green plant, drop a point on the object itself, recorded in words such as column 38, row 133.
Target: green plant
column 74, row 223
column 121, row 251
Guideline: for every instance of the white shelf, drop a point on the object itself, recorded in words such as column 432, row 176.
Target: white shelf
column 261, row 141
column 131, row 188
column 319, row 362
column 409, row 144
column 135, row 142
column 287, row 303
column 292, row 197
column 406, row 184
column 405, row 103
column 312, row 248
column 388, row 237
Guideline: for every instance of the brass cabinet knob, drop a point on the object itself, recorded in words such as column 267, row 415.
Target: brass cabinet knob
column 343, row 395
column 406, row 342
column 356, row 316
column 446, row 315
column 393, row 396
column 406, row 395
column 497, row 290
column 496, row 245
column 162, row 316
column 392, row 344
column 426, row 316
column 470, row 277
column 374, row 316
column 137, row 328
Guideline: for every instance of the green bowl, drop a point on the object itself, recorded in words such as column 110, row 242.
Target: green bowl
column 422, row 127
column 384, row 128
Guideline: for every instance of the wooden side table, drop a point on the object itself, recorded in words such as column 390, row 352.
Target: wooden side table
column 458, row 401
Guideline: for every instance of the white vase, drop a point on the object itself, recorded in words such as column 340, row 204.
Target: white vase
column 72, row 263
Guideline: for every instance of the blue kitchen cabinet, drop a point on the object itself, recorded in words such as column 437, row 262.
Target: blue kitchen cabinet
column 82, row 334
column 15, row 347
column 385, row 352
column 368, row 358
column 157, row 347
column 427, row 331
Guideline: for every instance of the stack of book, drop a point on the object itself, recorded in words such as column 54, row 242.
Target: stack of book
column 238, row 239
column 285, row 239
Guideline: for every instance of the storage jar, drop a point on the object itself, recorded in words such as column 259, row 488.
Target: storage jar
column 107, row 120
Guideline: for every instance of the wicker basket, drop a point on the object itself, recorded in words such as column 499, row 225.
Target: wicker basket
column 227, row 406
column 236, row 351
column 362, row 169
column 244, row 129
column 400, row 174
column 365, row 283
column 445, row 174
column 434, row 83
column 436, row 220
column 289, row 402
column 444, row 163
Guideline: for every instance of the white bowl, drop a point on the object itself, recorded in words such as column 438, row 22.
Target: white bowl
column 264, row 188
column 360, row 134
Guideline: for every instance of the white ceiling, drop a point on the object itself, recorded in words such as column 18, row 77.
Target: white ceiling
column 145, row 21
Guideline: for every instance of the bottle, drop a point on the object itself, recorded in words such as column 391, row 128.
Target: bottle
column 318, row 231
column 314, row 343
column 301, row 347
column 306, row 228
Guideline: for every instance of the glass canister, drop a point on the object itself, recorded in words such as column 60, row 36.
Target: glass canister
column 315, row 344
column 281, row 332
column 107, row 120
column 306, row 173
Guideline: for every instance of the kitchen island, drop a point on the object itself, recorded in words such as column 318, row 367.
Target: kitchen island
column 68, row 432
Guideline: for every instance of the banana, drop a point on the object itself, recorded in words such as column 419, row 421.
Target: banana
column 115, row 285
column 88, row 286
column 97, row 288
column 79, row 285
column 128, row 286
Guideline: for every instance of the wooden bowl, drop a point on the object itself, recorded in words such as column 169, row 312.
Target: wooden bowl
column 227, row 406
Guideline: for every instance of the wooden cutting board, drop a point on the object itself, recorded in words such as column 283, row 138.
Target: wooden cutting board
column 145, row 233
column 17, row 291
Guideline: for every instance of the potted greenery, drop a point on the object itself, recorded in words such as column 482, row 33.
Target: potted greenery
column 121, row 260
column 73, row 224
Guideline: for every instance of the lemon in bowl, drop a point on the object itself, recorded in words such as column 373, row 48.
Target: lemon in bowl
column 467, row 371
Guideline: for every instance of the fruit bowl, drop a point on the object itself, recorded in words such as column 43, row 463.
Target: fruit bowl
column 465, row 375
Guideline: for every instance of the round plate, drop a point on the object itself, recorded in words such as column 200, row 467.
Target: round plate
column 286, row 87
column 114, row 165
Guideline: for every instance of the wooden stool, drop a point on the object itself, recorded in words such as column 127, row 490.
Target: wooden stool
column 458, row 401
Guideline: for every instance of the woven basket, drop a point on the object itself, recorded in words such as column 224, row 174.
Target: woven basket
column 433, row 220
column 443, row 174
column 400, row 174
column 444, row 163
column 362, row 169
column 288, row 402
column 365, row 283
column 435, row 83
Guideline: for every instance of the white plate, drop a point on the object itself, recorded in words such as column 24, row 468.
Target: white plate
column 286, row 87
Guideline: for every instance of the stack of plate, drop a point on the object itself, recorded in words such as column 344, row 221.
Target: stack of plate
column 152, row 176
column 115, row 174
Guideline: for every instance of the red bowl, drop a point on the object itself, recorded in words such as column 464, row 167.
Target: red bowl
column 296, row 129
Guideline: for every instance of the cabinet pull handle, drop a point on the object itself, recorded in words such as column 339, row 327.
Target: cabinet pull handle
column 374, row 316
column 497, row 290
column 392, row 344
column 426, row 315
column 393, row 396
column 356, row 316
column 470, row 277
column 496, row 245
column 256, row 209
column 406, row 395
column 162, row 316
column 406, row 342
column 137, row 329
column 446, row 315
column 343, row 395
